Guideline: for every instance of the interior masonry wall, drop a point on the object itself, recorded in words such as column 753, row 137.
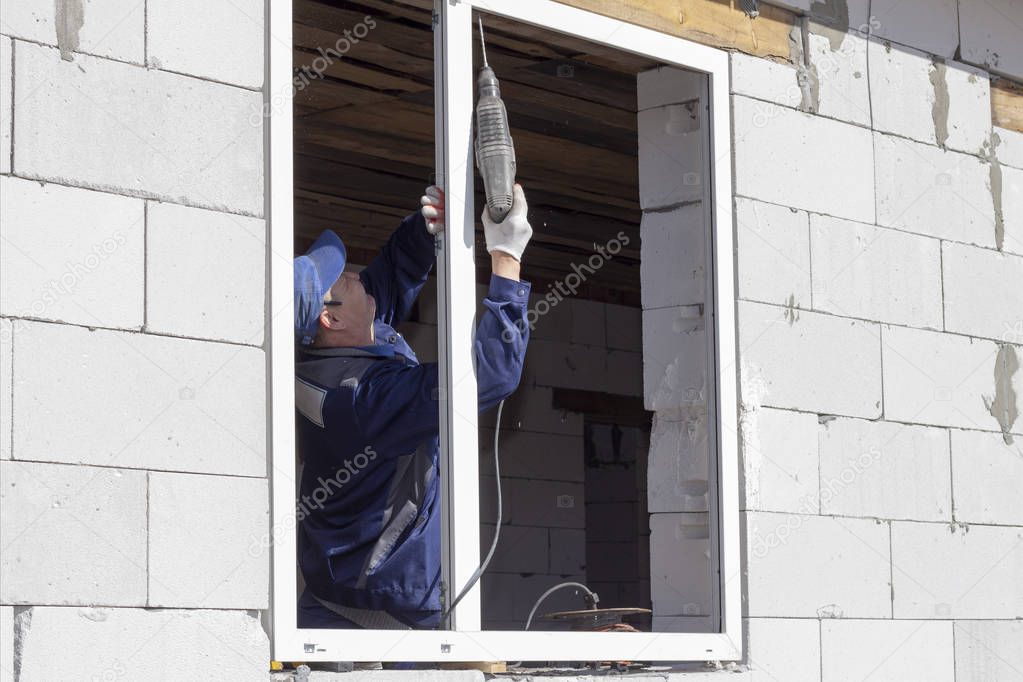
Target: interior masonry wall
column 550, row 507
column 879, row 223
column 133, row 479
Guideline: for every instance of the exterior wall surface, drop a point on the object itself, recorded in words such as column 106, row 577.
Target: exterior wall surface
column 879, row 221
column 133, row 468
column 880, row 331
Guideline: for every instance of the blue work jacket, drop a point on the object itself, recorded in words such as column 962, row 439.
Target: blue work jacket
column 367, row 428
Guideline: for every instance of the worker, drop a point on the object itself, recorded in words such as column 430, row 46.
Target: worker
column 369, row 535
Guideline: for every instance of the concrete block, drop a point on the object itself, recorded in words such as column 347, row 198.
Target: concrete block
column 624, row 373
column 838, row 69
column 233, row 56
column 624, row 327
column 141, row 644
column 928, row 25
column 509, row 597
column 989, row 35
column 968, row 120
column 72, row 535
column 773, row 252
column 805, row 566
column 1012, row 210
column 780, row 461
column 1008, row 146
column 923, row 189
column 169, row 404
column 875, row 273
column 668, row 85
column 675, row 358
column 983, row 293
column 987, row 475
column 6, row 383
column 204, row 273
column 568, row 551
column 530, row 408
column 948, row 380
column 679, row 463
column 988, row 651
column 681, row 575
column 135, row 131
column 564, row 365
column 488, row 501
column 75, row 255
column 552, row 504
column 673, row 257
column 865, row 466
column 527, row 454
column 903, row 91
column 945, row 572
column 765, row 80
column 519, row 550
column 888, row 651
column 784, row 649
column 686, row 624
column 789, row 157
column 588, row 322
column 672, row 154
column 809, row 361
column 236, row 570
column 552, row 318
column 105, row 28
column 6, row 101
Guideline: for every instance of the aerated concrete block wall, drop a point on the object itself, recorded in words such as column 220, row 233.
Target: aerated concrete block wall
column 133, row 480
column 879, row 232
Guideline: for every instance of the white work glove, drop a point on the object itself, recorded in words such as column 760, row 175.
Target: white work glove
column 433, row 209
column 513, row 233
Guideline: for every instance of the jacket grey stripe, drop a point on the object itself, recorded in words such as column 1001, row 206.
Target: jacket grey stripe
column 371, row 620
column 412, row 476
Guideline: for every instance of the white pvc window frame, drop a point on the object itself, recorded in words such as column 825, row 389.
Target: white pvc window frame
column 458, row 409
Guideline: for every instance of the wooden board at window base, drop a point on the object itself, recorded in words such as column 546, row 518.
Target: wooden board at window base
column 719, row 23
column 1007, row 104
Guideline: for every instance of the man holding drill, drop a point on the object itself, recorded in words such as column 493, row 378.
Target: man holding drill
column 368, row 419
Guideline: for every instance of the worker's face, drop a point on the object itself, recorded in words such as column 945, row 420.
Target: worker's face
column 357, row 308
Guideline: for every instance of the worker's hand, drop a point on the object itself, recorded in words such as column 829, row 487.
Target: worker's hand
column 513, row 233
column 433, row 209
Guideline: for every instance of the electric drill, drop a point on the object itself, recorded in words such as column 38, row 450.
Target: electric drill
column 495, row 153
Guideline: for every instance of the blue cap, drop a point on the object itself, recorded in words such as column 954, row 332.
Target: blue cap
column 315, row 272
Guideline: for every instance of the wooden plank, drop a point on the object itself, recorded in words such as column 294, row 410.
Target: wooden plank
column 712, row 22
column 1007, row 104
column 353, row 72
column 365, row 51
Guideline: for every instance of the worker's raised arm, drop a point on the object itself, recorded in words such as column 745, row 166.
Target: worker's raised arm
column 503, row 330
column 395, row 277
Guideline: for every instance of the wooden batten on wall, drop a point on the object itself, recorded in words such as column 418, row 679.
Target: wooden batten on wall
column 1007, row 104
column 723, row 24
column 720, row 23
